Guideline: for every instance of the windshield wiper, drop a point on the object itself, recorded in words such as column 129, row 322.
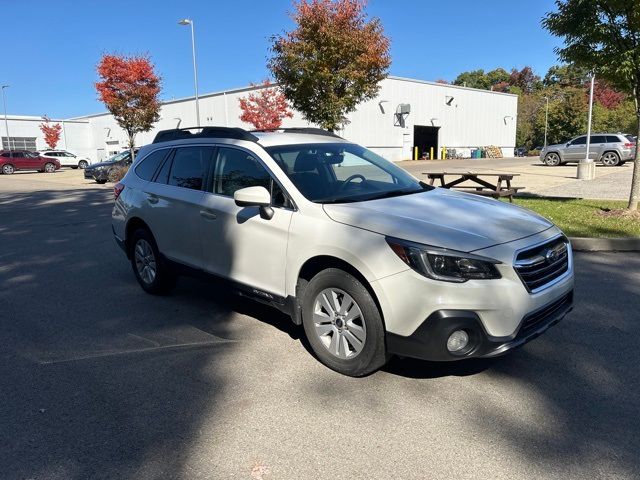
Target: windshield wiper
column 392, row 193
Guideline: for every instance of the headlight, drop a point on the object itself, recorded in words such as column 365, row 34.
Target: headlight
column 443, row 264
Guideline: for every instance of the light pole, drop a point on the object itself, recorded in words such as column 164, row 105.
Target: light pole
column 185, row 22
column 546, row 121
column 586, row 166
column 6, row 122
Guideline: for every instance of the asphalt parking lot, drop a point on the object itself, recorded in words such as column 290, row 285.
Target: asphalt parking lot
column 99, row 380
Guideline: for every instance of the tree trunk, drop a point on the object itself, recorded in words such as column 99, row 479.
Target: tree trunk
column 132, row 142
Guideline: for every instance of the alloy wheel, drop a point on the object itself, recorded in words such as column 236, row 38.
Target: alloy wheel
column 82, row 164
column 552, row 159
column 7, row 169
column 610, row 159
column 49, row 168
column 145, row 261
column 339, row 323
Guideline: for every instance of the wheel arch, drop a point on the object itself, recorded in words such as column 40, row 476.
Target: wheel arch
column 132, row 225
column 611, row 150
column 557, row 152
column 314, row 265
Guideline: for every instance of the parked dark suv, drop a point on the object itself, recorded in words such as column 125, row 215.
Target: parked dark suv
column 100, row 171
column 10, row 161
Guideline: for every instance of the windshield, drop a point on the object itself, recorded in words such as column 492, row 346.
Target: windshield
column 342, row 172
column 117, row 157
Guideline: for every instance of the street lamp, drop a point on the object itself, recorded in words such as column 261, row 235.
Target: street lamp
column 185, row 22
column 586, row 166
column 546, row 121
column 6, row 122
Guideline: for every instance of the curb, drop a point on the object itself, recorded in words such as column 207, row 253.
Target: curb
column 580, row 244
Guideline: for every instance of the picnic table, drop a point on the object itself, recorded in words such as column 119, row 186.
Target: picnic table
column 480, row 186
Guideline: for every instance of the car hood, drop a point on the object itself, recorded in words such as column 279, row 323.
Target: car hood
column 442, row 218
column 555, row 146
column 101, row 164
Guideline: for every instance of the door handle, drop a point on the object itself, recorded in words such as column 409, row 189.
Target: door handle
column 152, row 198
column 208, row 214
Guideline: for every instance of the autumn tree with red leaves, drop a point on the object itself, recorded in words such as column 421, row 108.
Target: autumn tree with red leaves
column 129, row 88
column 266, row 108
column 51, row 132
column 334, row 59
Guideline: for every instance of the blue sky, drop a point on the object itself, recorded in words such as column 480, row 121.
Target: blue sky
column 50, row 49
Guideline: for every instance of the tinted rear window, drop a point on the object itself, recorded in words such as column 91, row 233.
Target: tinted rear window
column 190, row 165
column 598, row 139
column 149, row 164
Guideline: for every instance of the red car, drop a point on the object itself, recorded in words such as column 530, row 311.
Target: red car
column 10, row 161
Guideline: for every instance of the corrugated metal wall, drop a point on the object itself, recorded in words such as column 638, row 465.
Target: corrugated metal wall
column 473, row 118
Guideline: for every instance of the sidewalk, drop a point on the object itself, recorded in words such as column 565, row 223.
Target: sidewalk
column 612, row 183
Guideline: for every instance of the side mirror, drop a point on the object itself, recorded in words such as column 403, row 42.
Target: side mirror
column 568, row 144
column 255, row 197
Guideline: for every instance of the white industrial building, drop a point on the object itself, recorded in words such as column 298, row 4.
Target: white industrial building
column 408, row 117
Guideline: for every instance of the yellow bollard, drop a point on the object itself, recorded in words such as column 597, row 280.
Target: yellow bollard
column 431, row 154
column 444, row 153
column 415, row 153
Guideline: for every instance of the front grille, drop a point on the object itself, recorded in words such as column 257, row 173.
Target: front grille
column 540, row 265
column 546, row 313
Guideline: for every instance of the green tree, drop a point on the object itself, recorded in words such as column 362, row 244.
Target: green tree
column 473, row 79
column 497, row 75
column 334, row 59
column 603, row 36
column 567, row 75
column 567, row 115
column 619, row 119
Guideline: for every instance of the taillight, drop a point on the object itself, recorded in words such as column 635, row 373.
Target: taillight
column 629, row 145
column 117, row 190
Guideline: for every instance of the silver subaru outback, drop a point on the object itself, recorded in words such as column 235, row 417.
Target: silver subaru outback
column 612, row 149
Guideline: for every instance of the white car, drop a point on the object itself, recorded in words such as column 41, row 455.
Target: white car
column 371, row 261
column 67, row 159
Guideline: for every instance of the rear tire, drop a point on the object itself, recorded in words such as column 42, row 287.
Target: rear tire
column 83, row 164
column 343, row 324
column 101, row 182
column 152, row 274
column 610, row 159
column 8, row 169
column 552, row 159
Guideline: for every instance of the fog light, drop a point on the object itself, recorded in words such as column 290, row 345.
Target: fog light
column 457, row 341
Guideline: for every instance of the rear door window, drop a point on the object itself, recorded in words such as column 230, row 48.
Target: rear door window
column 189, row 167
column 598, row 139
column 149, row 164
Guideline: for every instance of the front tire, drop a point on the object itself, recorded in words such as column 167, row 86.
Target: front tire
column 49, row 168
column 552, row 159
column 343, row 324
column 101, row 182
column 152, row 274
column 8, row 169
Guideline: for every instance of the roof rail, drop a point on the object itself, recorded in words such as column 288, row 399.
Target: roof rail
column 307, row 130
column 204, row 132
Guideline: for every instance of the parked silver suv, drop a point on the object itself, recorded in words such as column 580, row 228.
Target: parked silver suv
column 611, row 149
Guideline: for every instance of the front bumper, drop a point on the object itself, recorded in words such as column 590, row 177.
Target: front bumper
column 429, row 341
